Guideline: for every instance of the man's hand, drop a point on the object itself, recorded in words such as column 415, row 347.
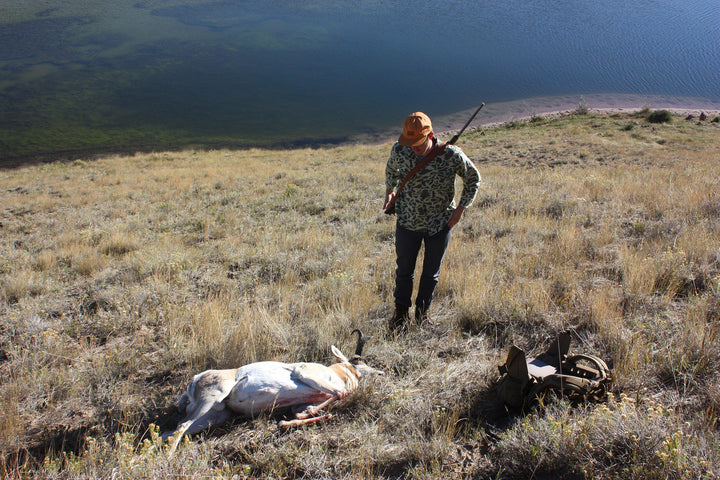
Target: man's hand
column 389, row 195
column 456, row 216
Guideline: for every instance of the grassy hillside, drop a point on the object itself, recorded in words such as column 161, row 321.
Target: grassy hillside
column 122, row 277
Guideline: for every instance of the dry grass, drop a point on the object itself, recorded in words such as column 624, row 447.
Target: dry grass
column 121, row 277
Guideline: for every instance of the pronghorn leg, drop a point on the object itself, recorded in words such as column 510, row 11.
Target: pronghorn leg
column 284, row 424
column 200, row 421
column 313, row 410
column 203, row 403
column 310, row 414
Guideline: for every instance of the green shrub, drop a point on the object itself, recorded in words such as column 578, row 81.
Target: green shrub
column 660, row 116
column 583, row 108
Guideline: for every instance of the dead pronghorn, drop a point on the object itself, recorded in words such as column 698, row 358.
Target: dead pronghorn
column 214, row 396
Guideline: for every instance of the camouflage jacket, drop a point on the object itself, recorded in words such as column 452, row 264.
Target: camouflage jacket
column 427, row 201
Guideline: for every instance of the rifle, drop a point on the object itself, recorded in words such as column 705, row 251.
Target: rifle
column 390, row 210
column 457, row 135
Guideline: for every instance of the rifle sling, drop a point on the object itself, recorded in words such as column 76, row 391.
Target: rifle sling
column 436, row 150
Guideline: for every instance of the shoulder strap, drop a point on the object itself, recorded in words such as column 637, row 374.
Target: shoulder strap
column 436, row 150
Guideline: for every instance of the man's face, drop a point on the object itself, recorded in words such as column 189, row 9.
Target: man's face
column 425, row 147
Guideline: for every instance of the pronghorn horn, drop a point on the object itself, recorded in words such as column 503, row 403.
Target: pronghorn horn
column 362, row 339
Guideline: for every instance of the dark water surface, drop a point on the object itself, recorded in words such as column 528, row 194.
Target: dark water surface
column 162, row 73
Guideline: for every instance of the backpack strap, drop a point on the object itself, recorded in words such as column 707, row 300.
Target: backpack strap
column 516, row 365
column 516, row 379
column 436, row 150
column 557, row 350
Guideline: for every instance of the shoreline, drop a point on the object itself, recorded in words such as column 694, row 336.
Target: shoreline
column 500, row 113
column 491, row 116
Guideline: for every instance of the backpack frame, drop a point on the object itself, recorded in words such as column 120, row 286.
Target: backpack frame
column 577, row 377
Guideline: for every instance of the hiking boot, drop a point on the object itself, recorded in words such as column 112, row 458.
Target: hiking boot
column 399, row 318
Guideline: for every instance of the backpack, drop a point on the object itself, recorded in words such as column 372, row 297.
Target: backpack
column 576, row 377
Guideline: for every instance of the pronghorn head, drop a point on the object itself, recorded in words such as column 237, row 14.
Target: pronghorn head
column 356, row 360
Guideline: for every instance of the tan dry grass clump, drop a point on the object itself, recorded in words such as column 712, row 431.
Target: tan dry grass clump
column 122, row 277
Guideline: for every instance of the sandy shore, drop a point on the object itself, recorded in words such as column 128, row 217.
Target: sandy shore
column 499, row 113
column 494, row 114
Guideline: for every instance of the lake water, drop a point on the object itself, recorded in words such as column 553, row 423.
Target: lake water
column 102, row 74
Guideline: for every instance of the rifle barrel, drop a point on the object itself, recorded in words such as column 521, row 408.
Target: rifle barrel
column 457, row 136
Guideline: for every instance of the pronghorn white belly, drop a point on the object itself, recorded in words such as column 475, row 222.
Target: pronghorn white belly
column 264, row 386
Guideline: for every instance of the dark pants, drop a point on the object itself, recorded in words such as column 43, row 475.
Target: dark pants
column 407, row 248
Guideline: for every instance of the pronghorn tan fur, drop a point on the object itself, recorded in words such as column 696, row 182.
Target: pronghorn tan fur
column 215, row 396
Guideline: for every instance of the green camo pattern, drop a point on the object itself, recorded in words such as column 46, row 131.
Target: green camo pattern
column 427, row 201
